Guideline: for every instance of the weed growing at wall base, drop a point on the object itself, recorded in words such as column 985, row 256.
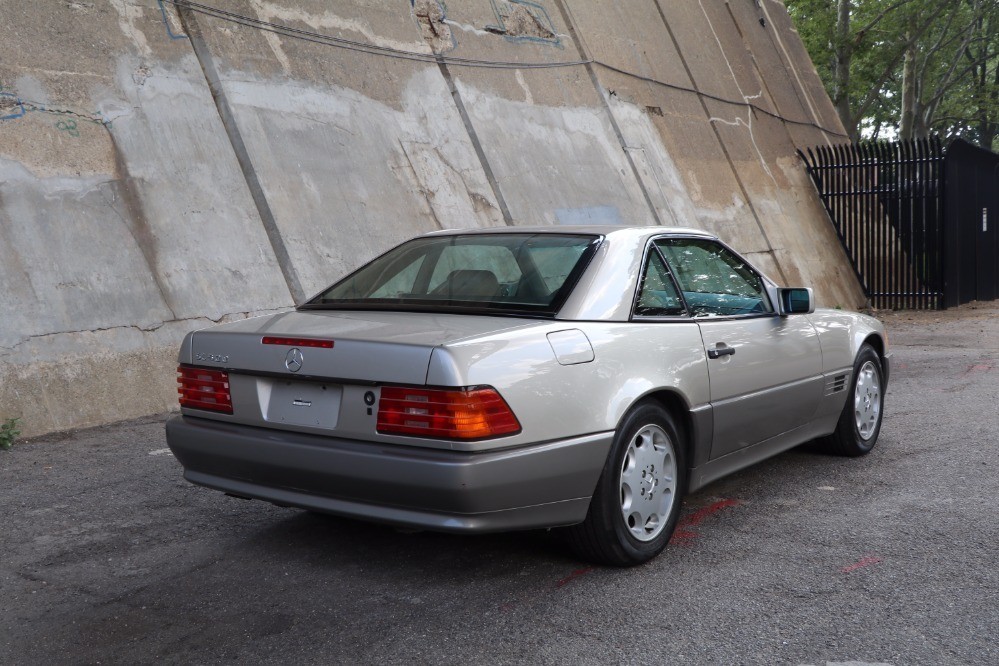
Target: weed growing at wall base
column 8, row 433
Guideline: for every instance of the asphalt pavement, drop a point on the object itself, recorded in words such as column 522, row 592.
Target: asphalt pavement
column 108, row 556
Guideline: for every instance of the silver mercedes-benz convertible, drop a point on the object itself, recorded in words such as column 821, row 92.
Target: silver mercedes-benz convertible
column 527, row 377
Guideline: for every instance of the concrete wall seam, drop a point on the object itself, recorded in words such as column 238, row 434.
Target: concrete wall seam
column 204, row 56
column 610, row 115
column 476, row 144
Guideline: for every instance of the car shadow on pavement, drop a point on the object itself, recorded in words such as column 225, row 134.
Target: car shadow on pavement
column 340, row 541
column 336, row 542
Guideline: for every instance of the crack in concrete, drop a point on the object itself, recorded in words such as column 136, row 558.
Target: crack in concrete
column 752, row 138
column 465, row 27
column 143, row 329
column 313, row 119
column 748, row 124
column 419, row 182
column 462, row 175
column 520, row 21
column 430, row 15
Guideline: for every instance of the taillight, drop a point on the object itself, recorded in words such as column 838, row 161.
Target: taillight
column 204, row 389
column 442, row 414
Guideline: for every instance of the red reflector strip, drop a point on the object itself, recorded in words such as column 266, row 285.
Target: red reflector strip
column 204, row 389
column 442, row 414
column 298, row 342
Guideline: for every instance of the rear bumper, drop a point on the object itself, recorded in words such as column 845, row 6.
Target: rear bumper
column 530, row 487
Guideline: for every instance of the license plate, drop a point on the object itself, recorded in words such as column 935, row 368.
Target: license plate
column 303, row 403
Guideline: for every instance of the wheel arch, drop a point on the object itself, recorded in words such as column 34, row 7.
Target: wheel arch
column 691, row 430
column 878, row 341
column 875, row 341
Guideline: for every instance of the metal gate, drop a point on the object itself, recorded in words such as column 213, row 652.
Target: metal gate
column 917, row 220
column 885, row 201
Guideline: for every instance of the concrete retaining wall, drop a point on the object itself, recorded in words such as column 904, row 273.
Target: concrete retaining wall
column 163, row 169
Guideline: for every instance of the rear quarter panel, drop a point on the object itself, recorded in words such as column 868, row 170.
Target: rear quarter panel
column 554, row 401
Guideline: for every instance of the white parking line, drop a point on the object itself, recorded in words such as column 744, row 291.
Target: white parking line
column 160, row 452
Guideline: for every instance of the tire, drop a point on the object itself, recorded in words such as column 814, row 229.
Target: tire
column 636, row 505
column 860, row 423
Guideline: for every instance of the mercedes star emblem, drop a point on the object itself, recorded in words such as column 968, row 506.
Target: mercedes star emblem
column 293, row 361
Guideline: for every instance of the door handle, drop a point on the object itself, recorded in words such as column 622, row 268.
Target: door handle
column 718, row 352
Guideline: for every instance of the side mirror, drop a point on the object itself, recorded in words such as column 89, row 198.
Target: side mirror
column 798, row 300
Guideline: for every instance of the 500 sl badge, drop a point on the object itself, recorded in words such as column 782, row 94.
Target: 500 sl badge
column 212, row 358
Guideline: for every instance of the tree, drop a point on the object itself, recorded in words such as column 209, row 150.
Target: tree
column 907, row 67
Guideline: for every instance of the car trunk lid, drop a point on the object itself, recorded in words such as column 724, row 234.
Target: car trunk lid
column 367, row 347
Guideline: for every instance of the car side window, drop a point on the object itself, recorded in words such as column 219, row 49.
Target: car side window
column 715, row 282
column 657, row 295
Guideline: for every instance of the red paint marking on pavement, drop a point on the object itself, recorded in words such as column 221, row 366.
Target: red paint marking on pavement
column 865, row 562
column 684, row 533
column 573, row 576
column 978, row 367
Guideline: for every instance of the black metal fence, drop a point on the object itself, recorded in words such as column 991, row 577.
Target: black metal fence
column 885, row 200
column 917, row 220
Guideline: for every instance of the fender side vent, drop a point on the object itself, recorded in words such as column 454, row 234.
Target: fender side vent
column 836, row 384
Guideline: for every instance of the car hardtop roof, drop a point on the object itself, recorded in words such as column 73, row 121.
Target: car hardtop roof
column 593, row 230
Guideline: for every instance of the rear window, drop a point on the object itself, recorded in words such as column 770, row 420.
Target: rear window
column 499, row 273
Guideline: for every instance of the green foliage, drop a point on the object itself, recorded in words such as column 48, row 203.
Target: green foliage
column 907, row 68
column 8, row 433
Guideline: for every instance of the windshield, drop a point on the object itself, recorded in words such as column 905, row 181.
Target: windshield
column 509, row 273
